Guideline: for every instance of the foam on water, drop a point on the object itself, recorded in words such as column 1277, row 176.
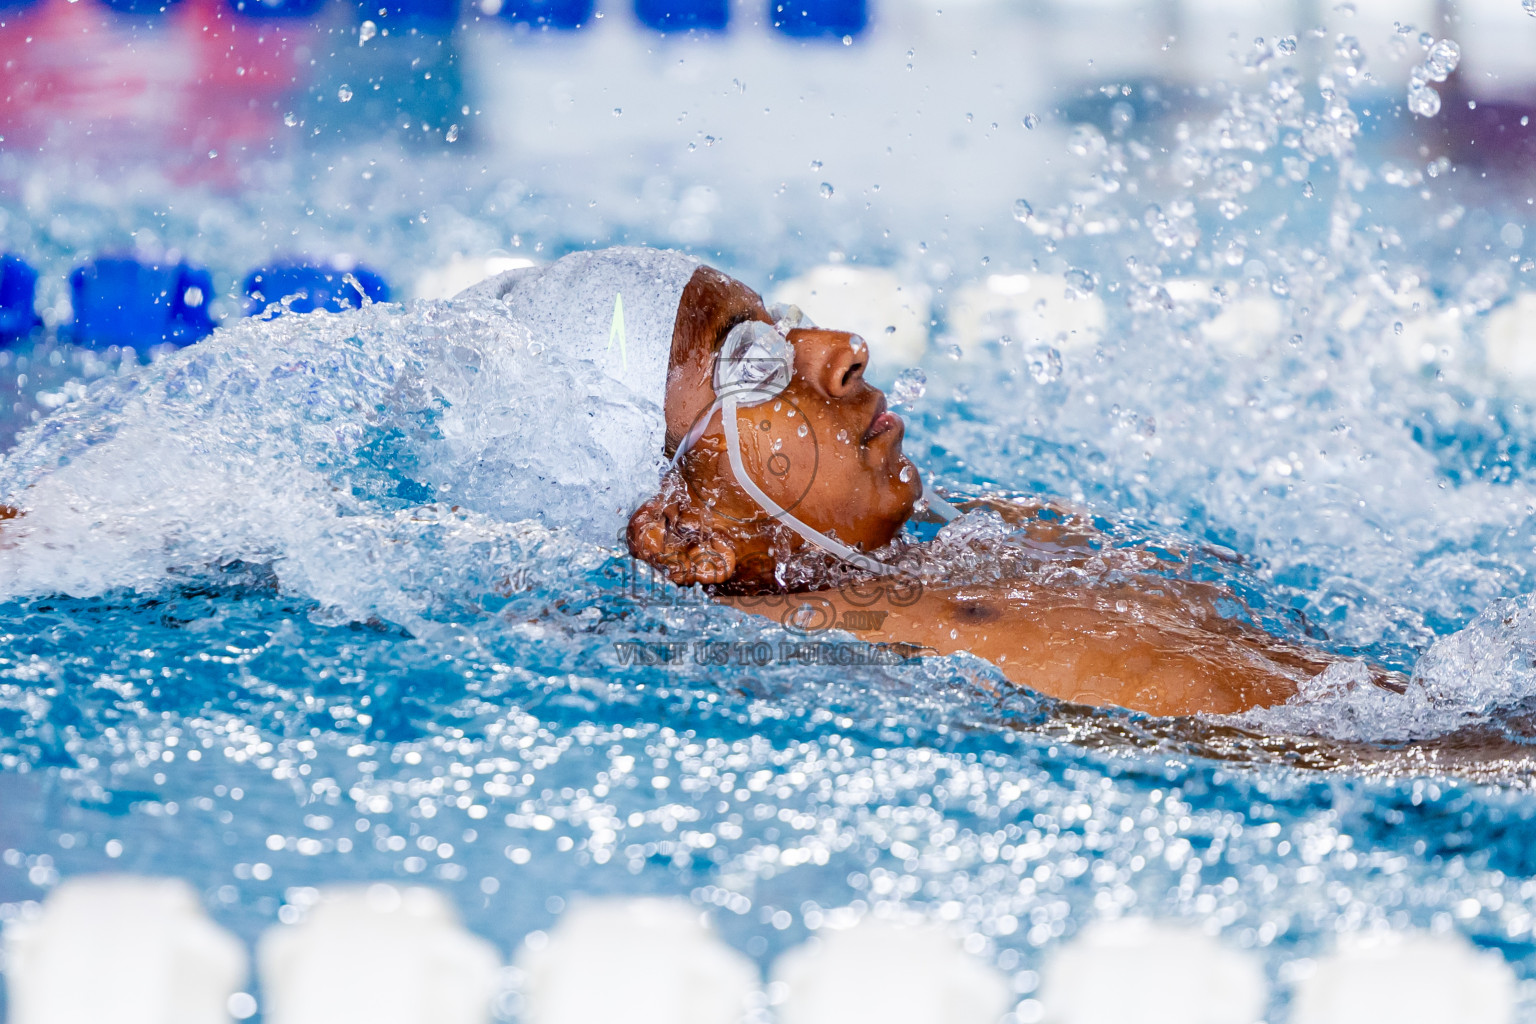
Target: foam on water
column 381, row 462
column 331, row 623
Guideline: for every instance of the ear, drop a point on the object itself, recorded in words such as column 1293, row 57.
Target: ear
column 669, row 532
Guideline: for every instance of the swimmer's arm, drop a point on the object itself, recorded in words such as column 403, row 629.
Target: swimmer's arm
column 1143, row 652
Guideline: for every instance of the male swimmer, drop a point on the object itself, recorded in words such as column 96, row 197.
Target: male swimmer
column 776, row 448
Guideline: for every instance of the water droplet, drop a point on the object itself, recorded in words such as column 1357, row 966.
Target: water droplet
column 954, row 352
column 1425, row 102
column 453, row 133
column 802, row 431
column 618, row 111
column 1030, row 120
column 366, row 31
column 1045, row 365
column 815, row 165
column 910, row 386
column 905, row 474
column 290, row 119
column 1080, row 281
column 1351, row 55
column 344, row 93
column 1442, row 60
column 842, row 437
column 1022, row 211
column 1286, row 46
column 1530, row 7
column 826, row 190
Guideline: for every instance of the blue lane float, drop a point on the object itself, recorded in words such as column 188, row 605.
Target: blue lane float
column 277, row 8
column 140, row 7
column 819, row 19
column 122, row 301
column 18, row 292
column 560, row 15
column 683, row 15
column 305, row 287
column 434, row 17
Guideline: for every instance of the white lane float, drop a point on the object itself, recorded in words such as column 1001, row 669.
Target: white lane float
column 890, row 313
column 879, row 972
column 1509, row 339
column 448, row 279
column 1136, row 971
column 377, row 954
column 1412, row 978
column 639, row 961
column 127, row 950
column 1032, row 309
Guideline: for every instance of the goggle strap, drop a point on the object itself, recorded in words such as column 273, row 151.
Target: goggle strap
column 938, row 506
column 814, row 537
column 694, row 433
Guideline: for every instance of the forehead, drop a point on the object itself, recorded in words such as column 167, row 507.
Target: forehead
column 712, row 303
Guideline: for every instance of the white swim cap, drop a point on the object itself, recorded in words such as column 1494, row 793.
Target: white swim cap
column 614, row 310
column 613, row 307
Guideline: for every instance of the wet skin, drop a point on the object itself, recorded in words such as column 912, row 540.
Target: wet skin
column 1162, row 647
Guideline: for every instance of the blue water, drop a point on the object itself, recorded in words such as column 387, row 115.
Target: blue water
column 356, row 682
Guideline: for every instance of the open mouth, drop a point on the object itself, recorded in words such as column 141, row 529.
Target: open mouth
column 884, row 422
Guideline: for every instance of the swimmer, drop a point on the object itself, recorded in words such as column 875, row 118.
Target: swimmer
column 629, row 396
column 778, row 448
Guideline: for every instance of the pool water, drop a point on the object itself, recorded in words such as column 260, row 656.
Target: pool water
column 320, row 666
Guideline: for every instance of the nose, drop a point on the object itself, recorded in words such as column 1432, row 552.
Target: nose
column 831, row 361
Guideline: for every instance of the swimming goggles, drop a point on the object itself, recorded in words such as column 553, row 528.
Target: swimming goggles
column 755, row 365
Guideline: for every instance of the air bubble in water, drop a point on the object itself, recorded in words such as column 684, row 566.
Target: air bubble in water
column 910, row 386
column 366, row 31
column 1425, row 102
column 344, row 93
column 1022, row 211
column 1442, row 60
column 826, row 190
column 1080, row 281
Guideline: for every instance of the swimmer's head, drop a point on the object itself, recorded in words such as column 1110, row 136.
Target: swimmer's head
column 825, row 450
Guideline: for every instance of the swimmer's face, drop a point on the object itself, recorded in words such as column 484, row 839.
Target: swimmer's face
column 826, row 450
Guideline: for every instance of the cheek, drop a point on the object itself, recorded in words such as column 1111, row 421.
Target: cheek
column 786, row 463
